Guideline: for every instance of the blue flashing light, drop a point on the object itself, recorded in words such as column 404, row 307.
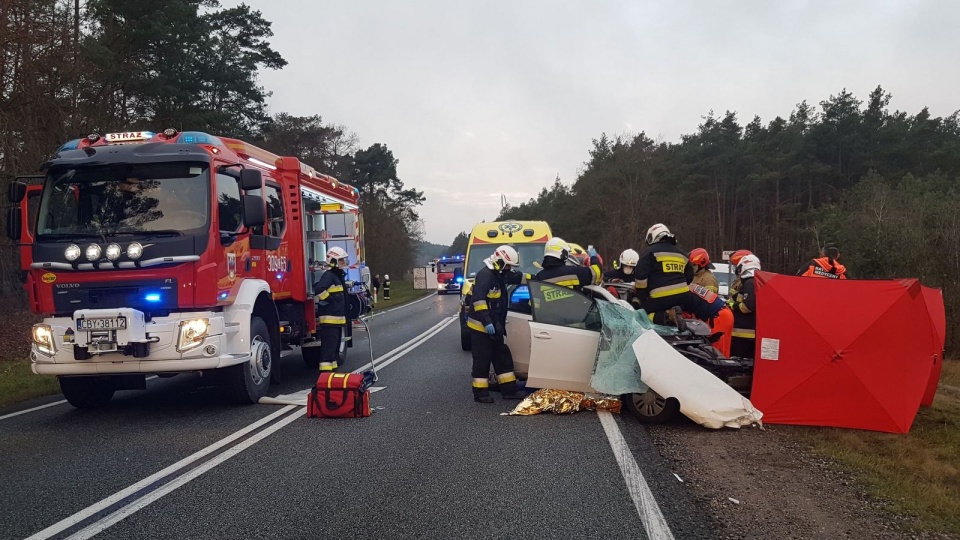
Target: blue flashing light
column 70, row 145
column 520, row 294
column 280, row 276
column 199, row 137
column 152, row 297
column 459, row 279
column 223, row 295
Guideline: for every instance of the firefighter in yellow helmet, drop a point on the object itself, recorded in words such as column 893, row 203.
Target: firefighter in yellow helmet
column 561, row 269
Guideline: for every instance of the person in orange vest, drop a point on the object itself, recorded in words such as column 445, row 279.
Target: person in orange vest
column 702, row 274
column 711, row 309
column 826, row 266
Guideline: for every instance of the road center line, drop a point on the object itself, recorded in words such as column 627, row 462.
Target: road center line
column 70, row 521
column 651, row 516
column 142, row 502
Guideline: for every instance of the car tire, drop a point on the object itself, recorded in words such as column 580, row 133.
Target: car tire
column 87, row 392
column 248, row 382
column 650, row 407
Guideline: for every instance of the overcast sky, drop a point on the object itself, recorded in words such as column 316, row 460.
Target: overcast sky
column 478, row 99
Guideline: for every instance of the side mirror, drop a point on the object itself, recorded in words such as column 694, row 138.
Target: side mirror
column 254, row 212
column 14, row 225
column 250, row 179
column 16, row 191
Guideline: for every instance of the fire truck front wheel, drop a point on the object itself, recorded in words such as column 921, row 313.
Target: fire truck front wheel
column 248, row 382
column 87, row 392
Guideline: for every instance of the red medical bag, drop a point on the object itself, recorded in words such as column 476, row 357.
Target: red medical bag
column 339, row 395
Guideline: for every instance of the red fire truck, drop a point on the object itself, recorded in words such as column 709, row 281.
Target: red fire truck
column 175, row 252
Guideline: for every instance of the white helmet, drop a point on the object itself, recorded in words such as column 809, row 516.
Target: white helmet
column 629, row 257
column 336, row 253
column 556, row 247
column 502, row 257
column 748, row 265
column 657, row 233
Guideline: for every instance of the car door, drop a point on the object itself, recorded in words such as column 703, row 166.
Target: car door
column 564, row 338
column 518, row 328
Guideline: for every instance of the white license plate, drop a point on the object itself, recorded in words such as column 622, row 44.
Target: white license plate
column 118, row 323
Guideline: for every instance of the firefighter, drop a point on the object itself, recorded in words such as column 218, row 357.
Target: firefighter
column 711, row 309
column 487, row 320
column 702, row 275
column 826, row 266
column 560, row 270
column 331, row 308
column 663, row 275
column 386, row 286
column 744, row 309
column 735, row 260
column 624, row 271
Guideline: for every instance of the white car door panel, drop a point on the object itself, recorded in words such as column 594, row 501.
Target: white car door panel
column 518, row 339
column 561, row 358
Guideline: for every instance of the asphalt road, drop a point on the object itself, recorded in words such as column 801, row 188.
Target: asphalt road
column 175, row 461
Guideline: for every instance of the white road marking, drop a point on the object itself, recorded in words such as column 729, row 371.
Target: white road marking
column 141, row 503
column 651, row 516
column 70, row 521
column 392, row 356
column 40, row 407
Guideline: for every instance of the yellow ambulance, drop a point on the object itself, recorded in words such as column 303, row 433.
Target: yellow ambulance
column 527, row 237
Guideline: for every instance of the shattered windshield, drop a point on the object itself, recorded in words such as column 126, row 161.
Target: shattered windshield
column 124, row 199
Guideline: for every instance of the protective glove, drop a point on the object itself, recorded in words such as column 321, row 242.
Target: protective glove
column 591, row 252
column 490, row 329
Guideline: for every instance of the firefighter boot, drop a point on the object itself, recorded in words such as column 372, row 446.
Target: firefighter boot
column 510, row 390
column 482, row 395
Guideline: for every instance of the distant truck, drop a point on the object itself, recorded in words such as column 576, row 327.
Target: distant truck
column 449, row 274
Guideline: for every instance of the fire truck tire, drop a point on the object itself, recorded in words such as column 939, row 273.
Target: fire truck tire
column 87, row 392
column 248, row 382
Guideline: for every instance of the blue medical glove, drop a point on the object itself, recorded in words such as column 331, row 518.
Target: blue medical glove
column 592, row 252
column 490, row 329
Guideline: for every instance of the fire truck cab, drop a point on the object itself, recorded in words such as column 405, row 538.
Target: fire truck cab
column 449, row 274
column 164, row 253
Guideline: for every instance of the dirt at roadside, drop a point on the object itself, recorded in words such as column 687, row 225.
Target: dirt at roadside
column 782, row 490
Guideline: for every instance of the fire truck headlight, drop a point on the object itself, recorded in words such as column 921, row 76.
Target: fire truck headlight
column 113, row 252
column 93, row 252
column 192, row 334
column 43, row 339
column 134, row 250
column 72, row 253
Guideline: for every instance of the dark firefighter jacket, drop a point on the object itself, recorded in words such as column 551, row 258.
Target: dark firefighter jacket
column 744, row 308
column 559, row 273
column 823, row 268
column 488, row 299
column 331, row 298
column 663, row 271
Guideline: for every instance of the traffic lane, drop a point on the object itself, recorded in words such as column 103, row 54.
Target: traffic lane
column 388, row 330
column 431, row 464
column 60, row 459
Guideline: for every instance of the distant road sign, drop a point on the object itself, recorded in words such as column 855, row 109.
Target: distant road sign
column 727, row 255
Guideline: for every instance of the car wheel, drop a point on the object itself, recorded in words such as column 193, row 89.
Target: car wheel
column 650, row 407
column 86, row 392
column 249, row 381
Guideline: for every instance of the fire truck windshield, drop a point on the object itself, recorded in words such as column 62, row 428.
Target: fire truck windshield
column 124, row 199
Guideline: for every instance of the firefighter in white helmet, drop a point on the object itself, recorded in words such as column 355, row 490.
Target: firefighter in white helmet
column 663, row 275
column 560, row 269
column 487, row 319
column 744, row 309
column 331, row 308
column 624, row 272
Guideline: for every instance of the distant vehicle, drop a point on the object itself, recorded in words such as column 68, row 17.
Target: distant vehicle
column 725, row 276
column 527, row 237
column 449, row 274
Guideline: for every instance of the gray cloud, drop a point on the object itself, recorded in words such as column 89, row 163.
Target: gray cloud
column 482, row 98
